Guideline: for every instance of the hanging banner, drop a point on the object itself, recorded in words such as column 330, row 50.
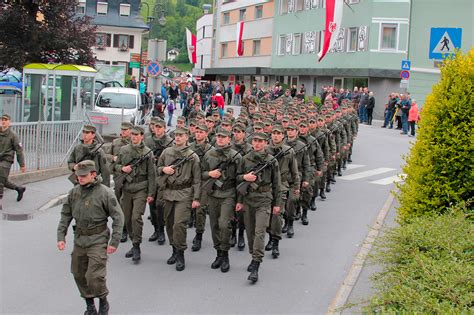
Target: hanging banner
column 191, row 44
column 239, row 45
column 333, row 24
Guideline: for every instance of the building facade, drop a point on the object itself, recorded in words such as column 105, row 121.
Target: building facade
column 119, row 32
column 204, row 39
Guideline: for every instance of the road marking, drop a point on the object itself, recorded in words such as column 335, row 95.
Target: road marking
column 370, row 173
column 390, row 180
column 354, row 166
column 349, row 282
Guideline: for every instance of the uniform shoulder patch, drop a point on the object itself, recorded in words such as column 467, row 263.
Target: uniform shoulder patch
column 114, row 202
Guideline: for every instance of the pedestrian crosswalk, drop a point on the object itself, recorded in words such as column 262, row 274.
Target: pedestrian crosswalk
column 373, row 173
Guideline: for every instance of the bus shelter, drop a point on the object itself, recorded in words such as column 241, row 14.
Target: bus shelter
column 56, row 92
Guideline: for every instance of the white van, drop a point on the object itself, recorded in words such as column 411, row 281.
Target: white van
column 115, row 105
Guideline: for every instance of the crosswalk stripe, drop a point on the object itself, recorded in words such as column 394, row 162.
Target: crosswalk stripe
column 389, row 180
column 373, row 172
column 354, row 166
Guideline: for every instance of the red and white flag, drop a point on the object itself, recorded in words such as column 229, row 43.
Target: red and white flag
column 191, row 43
column 333, row 24
column 239, row 45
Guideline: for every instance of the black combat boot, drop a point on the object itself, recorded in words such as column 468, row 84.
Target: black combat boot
column 254, row 273
column 103, row 306
column 298, row 213
column 322, row 194
column 154, row 236
column 333, row 179
column 312, row 206
column 136, row 252
column 241, row 241
column 20, row 191
column 218, row 261
column 197, row 242
column 339, row 171
column 180, row 260
column 269, row 245
column 284, row 229
column 290, row 231
column 172, row 259
column 161, row 236
column 90, row 310
column 349, row 160
column 233, row 237
column 344, row 165
column 304, row 217
column 129, row 254
column 251, row 266
column 124, row 235
column 275, row 249
column 225, row 266
column 328, row 186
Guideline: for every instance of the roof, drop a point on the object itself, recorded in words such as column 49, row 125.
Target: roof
column 113, row 17
column 58, row 67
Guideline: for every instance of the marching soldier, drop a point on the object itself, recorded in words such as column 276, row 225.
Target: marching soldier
column 289, row 181
column 200, row 147
column 90, row 204
column 90, row 149
column 159, row 141
column 179, row 174
column 219, row 173
column 136, row 162
column 322, row 140
column 261, row 199
column 9, row 145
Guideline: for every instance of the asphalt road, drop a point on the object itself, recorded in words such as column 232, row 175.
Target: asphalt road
column 35, row 277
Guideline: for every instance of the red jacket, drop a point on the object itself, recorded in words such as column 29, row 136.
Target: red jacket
column 237, row 89
column 220, row 100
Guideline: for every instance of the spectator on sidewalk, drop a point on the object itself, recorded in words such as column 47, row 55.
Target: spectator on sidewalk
column 229, row 91
column 170, row 108
column 405, row 107
column 391, row 106
column 237, row 98
column 370, row 108
column 413, row 117
column 364, row 100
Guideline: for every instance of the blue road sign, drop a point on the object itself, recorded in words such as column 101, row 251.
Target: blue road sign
column 405, row 74
column 153, row 69
column 406, row 65
column 443, row 41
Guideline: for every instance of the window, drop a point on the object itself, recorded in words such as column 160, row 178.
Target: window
column 124, row 9
column 354, row 1
column 352, row 40
column 282, row 45
column 296, row 44
column 283, row 6
column 389, row 36
column 124, row 42
column 223, row 50
column 102, row 40
column 102, row 8
column 299, row 5
column 256, row 48
column 315, row 86
column 242, row 14
column 226, row 18
column 81, row 7
column 258, row 12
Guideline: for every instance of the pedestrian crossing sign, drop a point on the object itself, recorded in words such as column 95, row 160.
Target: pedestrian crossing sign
column 444, row 41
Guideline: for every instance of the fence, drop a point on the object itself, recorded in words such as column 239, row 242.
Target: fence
column 11, row 104
column 47, row 144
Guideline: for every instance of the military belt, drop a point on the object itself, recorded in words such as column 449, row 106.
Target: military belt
column 263, row 188
column 88, row 232
column 179, row 187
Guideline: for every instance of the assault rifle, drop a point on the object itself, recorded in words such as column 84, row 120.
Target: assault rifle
column 133, row 164
column 89, row 156
column 221, row 166
column 243, row 187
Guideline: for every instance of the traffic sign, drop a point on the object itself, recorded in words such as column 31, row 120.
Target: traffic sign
column 404, row 84
column 153, row 69
column 443, row 41
column 405, row 74
column 134, row 65
column 406, row 65
column 100, row 120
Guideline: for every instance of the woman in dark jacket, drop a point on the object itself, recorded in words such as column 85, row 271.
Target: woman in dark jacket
column 370, row 108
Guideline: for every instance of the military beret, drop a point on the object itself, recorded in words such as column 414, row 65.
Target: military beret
column 238, row 127
column 226, row 122
column 193, row 122
column 210, row 118
column 6, row 117
column 260, row 135
column 258, row 125
column 303, row 124
column 181, row 118
column 223, row 132
column 278, row 128
column 137, row 130
column 215, row 113
column 320, row 118
column 268, row 122
column 292, row 126
column 85, row 167
column 312, row 119
column 183, row 131
column 89, row 128
column 202, row 127
column 201, row 115
column 126, row 125
column 285, row 119
column 154, row 120
column 160, row 123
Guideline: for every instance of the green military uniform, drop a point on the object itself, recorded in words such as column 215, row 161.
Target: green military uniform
column 90, row 206
column 9, row 145
column 262, row 196
column 221, row 198
column 179, row 190
column 320, row 184
column 137, row 186
column 332, row 153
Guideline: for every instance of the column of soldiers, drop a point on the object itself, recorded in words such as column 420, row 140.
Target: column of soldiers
column 255, row 174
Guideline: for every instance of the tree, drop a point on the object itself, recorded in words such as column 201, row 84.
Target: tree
column 45, row 31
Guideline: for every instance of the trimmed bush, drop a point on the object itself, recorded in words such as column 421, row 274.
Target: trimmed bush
column 427, row 267
column 439, row 166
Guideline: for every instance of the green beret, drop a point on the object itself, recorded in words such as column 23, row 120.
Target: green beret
column 137, row 130
column 278, row 128
column 202, row 127
column 223, row 132
column 154, row 120
column 126, row 125
column 260, row 135
column 6, row 117
column 183, row 131
column 85, row 167
column 89, row 128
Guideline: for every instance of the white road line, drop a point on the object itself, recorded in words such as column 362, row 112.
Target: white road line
column 370, row 173
column 389, row 180
column 354, row 166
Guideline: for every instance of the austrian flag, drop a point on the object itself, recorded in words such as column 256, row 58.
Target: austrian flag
column 191, row 43
column 239, row 45
column 333, row 24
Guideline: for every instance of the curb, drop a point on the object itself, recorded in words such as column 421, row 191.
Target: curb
column 350, row 280
column 36, row 176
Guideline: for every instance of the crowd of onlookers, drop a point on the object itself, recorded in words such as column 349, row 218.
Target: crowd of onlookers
column 401, row 110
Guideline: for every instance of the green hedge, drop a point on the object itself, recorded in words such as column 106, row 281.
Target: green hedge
column 439, row 167
column 428, row 267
